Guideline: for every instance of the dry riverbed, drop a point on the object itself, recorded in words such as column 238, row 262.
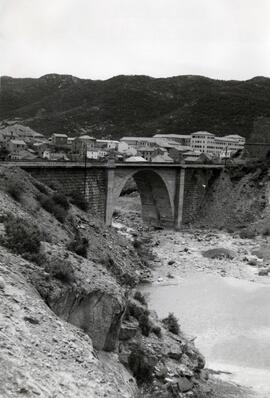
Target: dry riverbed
column 179, row 259
column 181, row 253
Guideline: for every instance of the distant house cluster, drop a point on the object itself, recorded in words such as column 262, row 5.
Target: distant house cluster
column 199, row 146
column 18, row 142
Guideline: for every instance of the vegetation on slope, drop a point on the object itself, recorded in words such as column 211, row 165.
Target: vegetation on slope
column 128, row 105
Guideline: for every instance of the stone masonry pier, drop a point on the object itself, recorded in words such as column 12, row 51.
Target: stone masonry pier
column 171, row 194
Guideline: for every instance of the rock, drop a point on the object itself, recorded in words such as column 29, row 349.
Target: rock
column 183, row 370
column 2, row 283
column 219, row 253
column 184, row 384
column 161, row 371
column 98, row 313
column 128, row 330
column 171, row 262
column 263, row 272
column 32, row 320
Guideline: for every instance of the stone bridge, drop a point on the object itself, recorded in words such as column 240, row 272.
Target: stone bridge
column 171, row 194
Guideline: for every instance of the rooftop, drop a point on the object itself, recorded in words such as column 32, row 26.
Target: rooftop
column 18, row 142
column 135, row 159
column 86, row 137
column 150, row 139
column 172, row 136
column 206, row 133
column 235, row 136
column 60, row 135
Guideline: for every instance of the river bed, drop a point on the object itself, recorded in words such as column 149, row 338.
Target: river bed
column 224, row 304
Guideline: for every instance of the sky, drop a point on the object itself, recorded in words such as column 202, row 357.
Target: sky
column 98, row 39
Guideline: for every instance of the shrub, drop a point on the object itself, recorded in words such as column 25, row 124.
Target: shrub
column 157, row 330
column 266, row 231
column 140, row 297
column 141, row 368
column 41, row 187
column 137, row 311
column 137, row 244
column 36, row 258
column 61, row 200
column 79, row 245
column 247, row 234
column 61, row 269
column 48, row 203
column 144, row 324
column 22, row 236
column 14, row 191
column 171, row 323
column 116, row 213
column 78, row 200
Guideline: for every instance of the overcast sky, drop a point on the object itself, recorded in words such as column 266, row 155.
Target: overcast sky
column 225, row 39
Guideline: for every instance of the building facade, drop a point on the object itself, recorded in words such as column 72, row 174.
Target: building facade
column 206, row 142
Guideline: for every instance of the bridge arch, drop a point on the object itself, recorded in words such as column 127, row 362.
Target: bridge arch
column 156, row 196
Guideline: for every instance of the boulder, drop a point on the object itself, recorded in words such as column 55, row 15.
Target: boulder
column 219, row 253
column 128, row 330
column 184, row 384
column 98, row 313
column 263, row 272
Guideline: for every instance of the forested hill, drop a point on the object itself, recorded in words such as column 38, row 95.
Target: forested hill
column 141, row 105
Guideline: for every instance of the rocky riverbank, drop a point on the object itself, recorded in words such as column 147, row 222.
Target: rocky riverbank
column 195, row 251
column 71, row 322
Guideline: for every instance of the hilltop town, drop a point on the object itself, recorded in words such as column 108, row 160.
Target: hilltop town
column 19, row 142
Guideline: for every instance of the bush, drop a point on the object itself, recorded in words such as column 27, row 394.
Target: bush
column 157, row 330
column 78, row 200
column 141, row 369
column 41, row 187
column 48, row 203
column 22, row 236
column 61, row 200
column 140, row 297
column 79, row 245
column 116, row 213
column 266, row 231
column 61, row 269
column 36, row 258
column 14, row 191
column 171, row 323
column 144, row 324
column 247, row 234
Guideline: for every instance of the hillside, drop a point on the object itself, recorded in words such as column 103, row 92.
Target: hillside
column 72, row 323
column 141, row 105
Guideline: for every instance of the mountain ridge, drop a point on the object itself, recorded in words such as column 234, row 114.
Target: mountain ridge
column 137, row 104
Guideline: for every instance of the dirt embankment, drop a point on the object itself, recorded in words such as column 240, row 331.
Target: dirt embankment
column 238, row 199
column 68, row 318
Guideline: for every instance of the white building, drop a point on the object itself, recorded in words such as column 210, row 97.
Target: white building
column 181, row 139
column 107, row 144
column 137, row 142
column 206, row 142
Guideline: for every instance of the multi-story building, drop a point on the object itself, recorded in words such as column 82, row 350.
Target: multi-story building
column 137, row 142
column 16, row 146
column 107, row 144
column 59, row 140
column 206, row 142
column 82, row 144
column 181, row 139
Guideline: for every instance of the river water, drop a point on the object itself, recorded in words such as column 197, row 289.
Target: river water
column 230, row 319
